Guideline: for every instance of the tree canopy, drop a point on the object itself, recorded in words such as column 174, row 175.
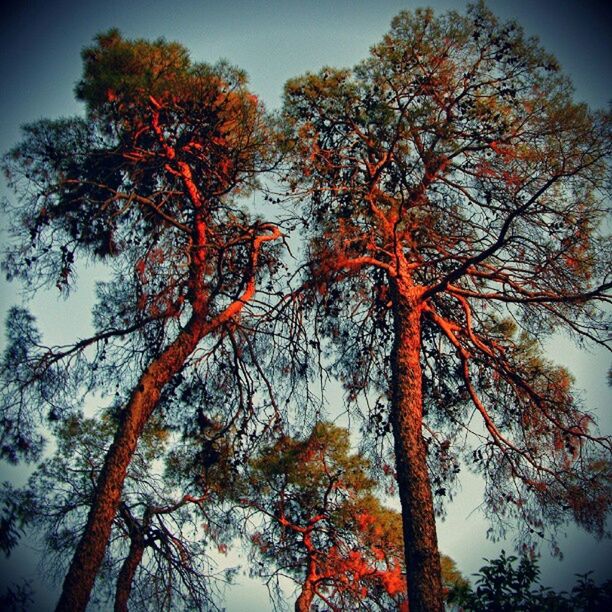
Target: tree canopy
column 452, row 197
column 317, row 520
column 503, row 585
column 453, row 192
column 149, row 183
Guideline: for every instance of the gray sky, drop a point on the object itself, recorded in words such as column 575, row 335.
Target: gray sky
column 273, row 41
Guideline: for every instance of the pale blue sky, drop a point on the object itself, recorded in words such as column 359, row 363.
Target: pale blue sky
column 273, row 41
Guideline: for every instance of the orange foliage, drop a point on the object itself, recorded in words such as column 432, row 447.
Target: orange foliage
column 511, row 179
column 364, row 520
column 484, row 169
column 393, row 581
column 506, row 152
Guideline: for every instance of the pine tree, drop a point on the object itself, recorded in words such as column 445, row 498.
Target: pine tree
column 147, row 184
column 453, row 193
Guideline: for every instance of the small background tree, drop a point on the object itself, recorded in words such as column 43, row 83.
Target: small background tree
column 505, row 586
column 318, row 521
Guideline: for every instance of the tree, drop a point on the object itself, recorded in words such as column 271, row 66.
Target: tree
column 158, row 557
column 317, row 519
column 453, row 580
column 148, row 184
column 504, row 587
column 454, row 192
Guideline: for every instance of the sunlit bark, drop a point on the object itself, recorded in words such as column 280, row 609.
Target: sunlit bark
column 304, row 601
column 89, row 553
column 90, row 550
column 307, row 594
column 454, row 194
column 420, row 539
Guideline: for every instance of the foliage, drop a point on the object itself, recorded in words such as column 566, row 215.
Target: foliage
column 452, row 578
column 128, row 186
column 150, row 185
column 504, row 586
column 451, row 176
column 11, row 523
column 176, row 568
column 452, row 197
column 317, row 520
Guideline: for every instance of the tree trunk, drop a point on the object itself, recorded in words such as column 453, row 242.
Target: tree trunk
column 90, row 551
column 128, row 571
column 304, row 601
column 420, row 539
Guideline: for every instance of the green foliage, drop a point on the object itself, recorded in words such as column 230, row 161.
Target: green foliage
column 304, row 478
column 167, row 144
column 452, row 578
column 204, row 459
column 36, row 388
column 317, row 520
column 176, row 568
column 306, row 467
column 453, row 171
column 104, row 183
column 451, row 167
column 115, row 66
column 11, row 525
column 150, row 184
column 312, row 513
column 505, row 587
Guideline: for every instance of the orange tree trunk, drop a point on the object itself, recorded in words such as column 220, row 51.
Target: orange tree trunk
column 420, row 539
column 90, row 551
column 128, row 571
column 304, row 601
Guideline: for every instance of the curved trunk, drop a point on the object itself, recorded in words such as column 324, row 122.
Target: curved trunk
column 90, row 551
column 420, row 539
column 127, row 572
column 91, row 548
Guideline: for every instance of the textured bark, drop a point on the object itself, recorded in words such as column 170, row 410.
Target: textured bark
column 304, row 601
column 420, row 539
column 90, row 551
column 127, row 572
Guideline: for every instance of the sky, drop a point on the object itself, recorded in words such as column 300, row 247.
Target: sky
column 274, row 41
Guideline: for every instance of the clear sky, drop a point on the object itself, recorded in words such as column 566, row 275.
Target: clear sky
column 273, row 41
